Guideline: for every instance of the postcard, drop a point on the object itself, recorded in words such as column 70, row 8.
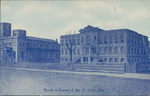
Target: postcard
column 72, row 47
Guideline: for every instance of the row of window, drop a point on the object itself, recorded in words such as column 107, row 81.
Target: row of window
column 112, row 50
column 42, row 54
column 137, row 59
column 100, row 50
column 22, row 44
column 71, row 40
column 111, row 39
column 137, row 41
column 111, row 60
column 105, row 50
column 46, row 46
column 66, row 52
column 7, row 44
column 138, row 51
column 88, row 40
column 85, row 59
column 64, row 59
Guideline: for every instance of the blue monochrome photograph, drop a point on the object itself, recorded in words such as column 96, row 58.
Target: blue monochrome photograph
column 72, row 47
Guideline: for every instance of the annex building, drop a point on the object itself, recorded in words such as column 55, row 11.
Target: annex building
column 17, row 47
column 105, row 47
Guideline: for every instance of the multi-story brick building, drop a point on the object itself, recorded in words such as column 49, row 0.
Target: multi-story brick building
column 21, row 48
column 94, row 45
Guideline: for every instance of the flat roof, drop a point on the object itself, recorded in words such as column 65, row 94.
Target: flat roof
column 40, row 39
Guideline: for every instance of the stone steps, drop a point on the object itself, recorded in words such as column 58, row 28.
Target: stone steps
column 101, row 71
column 106, row 68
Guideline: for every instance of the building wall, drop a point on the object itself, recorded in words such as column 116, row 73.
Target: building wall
column 41, row 51
column 111, row 46
column 21, row 48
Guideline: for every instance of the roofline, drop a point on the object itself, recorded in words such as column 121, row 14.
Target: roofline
column 4, row 23
column 40, row 39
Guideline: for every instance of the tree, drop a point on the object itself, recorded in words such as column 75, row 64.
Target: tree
column 70, row 44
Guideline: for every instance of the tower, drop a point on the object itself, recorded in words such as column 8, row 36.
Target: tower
column 19, row 36
column 5, row 29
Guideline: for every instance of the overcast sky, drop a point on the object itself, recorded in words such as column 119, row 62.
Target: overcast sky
column 50, row 19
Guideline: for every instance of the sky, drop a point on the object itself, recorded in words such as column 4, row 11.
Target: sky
column 51, row 19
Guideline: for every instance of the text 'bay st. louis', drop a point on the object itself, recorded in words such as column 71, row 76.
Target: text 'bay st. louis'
column 92, row 50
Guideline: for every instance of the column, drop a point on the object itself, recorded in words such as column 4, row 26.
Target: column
column 89, row 57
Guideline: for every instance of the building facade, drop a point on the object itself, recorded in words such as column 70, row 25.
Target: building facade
column 21, row 48
column 95, row 45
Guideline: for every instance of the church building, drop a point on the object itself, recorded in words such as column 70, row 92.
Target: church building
column 15, row 47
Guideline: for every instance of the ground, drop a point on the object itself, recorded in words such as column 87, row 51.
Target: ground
column 32, row 82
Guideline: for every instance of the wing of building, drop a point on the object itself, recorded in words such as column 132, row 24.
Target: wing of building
column 17, row 47
column 97, row 46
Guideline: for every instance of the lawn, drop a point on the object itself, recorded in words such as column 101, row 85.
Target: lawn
column 25, row 82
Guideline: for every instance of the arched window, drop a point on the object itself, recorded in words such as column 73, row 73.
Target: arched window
column 100, row 60
column 105, row 59
column 88, row 39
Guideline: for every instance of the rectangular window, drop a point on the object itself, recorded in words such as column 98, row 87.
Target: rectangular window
column 62, row 43
column 66, row 51
column 122, row 59
column 110, row 59
column 116, row 59
column 110, row 39
column 116, row 39
column 105, row 39
column 122, row 38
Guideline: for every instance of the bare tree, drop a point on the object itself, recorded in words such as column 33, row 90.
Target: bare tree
column 70, row 38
